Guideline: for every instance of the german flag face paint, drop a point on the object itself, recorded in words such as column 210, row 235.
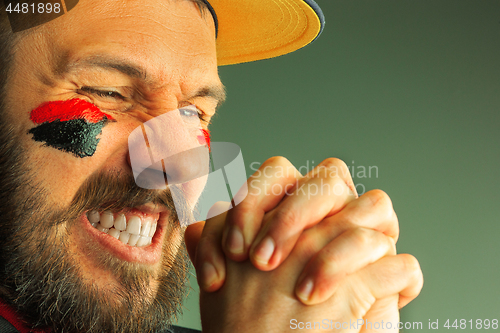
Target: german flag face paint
column 71, row 126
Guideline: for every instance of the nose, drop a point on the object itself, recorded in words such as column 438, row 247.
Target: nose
column 167, row 150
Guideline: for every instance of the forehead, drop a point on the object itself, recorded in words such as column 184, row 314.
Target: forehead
column 172, row 39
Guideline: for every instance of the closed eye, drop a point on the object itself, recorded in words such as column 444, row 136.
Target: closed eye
column 103, row 93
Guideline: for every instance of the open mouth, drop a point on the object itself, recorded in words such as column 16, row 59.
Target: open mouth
column 131, row 229
column 134, row 235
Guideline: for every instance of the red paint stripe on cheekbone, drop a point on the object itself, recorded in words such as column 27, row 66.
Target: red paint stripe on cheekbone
column 206, row 135
column 67, row 110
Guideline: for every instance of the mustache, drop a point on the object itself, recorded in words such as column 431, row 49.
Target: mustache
column 116, row 191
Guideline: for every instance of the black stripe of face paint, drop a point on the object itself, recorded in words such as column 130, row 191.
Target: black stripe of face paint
column 76, row 136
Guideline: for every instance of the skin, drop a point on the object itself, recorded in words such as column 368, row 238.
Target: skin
column 172, row 42
column 315, row 239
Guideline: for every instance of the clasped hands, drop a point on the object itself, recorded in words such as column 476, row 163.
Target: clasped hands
column 302, row 249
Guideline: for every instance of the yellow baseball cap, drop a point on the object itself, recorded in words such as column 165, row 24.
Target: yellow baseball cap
column 249, row 30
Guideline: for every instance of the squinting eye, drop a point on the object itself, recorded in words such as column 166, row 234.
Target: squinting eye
column 189, row 111
column 103, row 93
column 111, row 94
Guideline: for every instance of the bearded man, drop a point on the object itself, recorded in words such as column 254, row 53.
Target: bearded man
column 84, row 248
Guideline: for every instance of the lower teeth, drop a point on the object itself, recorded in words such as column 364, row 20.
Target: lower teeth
column 125, row 237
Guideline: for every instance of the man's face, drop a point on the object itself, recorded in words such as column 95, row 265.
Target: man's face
column 131, row 61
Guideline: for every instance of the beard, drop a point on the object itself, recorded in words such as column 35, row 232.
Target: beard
column 42, row 281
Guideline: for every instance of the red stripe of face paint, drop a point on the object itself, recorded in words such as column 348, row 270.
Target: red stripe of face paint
column 68, row 110
column 205, row 139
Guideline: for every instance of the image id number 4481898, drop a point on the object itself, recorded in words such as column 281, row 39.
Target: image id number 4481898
column 471, row 324
column 39, row 8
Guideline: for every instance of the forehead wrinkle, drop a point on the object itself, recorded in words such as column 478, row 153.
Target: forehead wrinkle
column 175, row 34
column 175, row 31
column 109, row 63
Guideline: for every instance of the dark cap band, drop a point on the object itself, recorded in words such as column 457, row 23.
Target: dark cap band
column 212, row 11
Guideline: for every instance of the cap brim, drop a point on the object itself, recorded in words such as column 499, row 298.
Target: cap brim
column 250, row 30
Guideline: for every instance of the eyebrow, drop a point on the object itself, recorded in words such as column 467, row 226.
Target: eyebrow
column 217, row 92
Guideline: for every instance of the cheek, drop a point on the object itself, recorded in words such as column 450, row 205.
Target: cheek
column 72, row 126
column 205, row 138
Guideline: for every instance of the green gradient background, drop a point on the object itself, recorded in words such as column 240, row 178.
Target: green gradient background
column 409, row 86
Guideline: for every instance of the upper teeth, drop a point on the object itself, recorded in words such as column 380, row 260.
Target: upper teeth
column 133, row 231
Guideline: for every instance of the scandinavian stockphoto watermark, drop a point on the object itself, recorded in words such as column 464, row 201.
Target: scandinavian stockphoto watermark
column 431, row 324
column 328, row 324
column 330, row 178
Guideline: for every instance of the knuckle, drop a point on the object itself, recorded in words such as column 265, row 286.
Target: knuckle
column 361, row 237
column 240, row 212
column 286, row 218
column 334, row 162
column 276, row 160
column 331, row 167
column 307, row 246
column 205, row 250
column 247, row 205
column 410, row 264
column 208, row 241
column 327, row 268
column 215, row 212
column 328, row 259
column 277, row 167
column 336, row 183
column 382, row 202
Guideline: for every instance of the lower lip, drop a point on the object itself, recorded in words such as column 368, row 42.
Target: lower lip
column 150, row 254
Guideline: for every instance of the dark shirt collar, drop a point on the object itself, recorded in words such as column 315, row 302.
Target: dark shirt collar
column 15, row 319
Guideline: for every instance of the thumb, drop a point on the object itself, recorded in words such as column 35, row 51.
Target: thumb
column 192, row 237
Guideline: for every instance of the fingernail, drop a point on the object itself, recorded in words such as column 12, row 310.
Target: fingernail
column 264, row 251
column 208, row 274
column 235, row 242
column 305, row 289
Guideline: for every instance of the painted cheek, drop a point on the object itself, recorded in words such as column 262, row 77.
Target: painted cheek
column 205, row 138
column 71, row 126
